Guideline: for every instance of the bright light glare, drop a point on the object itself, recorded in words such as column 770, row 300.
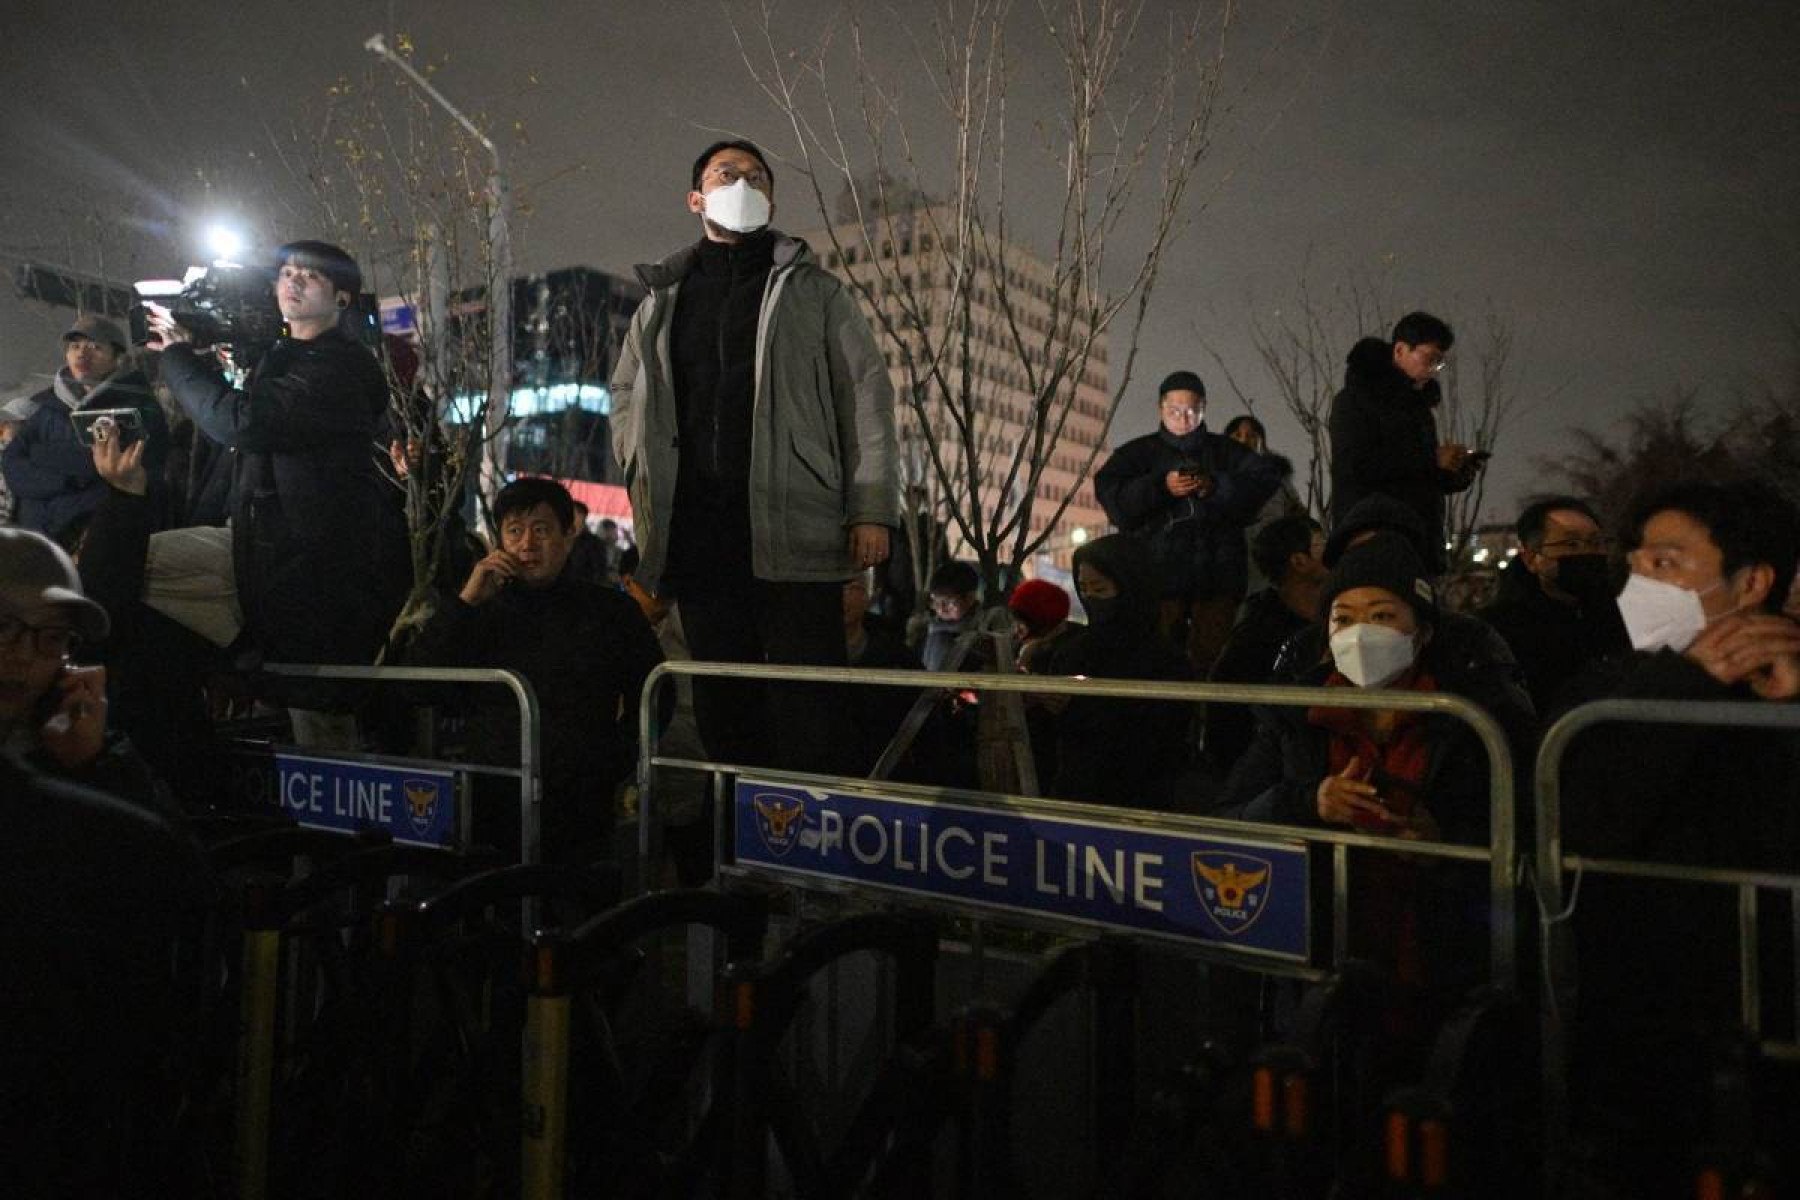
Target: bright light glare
column 224, row 242
column 1079, row 535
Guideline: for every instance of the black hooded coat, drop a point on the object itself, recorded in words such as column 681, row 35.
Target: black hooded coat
column 1384, row 441
column 1120, row 751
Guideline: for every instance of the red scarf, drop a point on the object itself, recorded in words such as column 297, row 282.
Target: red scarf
column 1384, row 915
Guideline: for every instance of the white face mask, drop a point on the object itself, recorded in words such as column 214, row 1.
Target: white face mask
column 1373, row 656
column 1659, row 614
column 737, row 207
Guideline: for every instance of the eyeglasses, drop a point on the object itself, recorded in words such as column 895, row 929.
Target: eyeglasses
column 727, row 174
column 1593, row 544
column 46, row 640
column 1191, row 414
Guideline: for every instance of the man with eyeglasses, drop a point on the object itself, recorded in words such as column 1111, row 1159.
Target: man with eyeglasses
column 52, row 712
column 1555, row 603
column 754, row 418
column 1658, row 960
column 1189, row 493
column 1384, row 438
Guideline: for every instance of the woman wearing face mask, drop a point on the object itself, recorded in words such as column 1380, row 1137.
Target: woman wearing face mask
column 1414, row 776
column 1409, row 774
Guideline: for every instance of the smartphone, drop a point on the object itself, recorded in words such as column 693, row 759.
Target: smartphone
column 49, row 705
column 126, row 424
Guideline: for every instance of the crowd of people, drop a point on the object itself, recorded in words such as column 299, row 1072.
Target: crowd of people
column 255, row 518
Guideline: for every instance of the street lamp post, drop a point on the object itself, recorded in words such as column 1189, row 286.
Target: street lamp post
column 493, row 463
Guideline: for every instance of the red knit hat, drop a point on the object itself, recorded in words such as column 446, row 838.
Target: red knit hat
column 1040, row 604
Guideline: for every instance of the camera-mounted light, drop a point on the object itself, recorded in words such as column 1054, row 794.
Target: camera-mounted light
column 224, row 243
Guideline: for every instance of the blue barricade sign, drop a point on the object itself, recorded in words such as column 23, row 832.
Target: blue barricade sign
column 415, row 805
column 1244, row 894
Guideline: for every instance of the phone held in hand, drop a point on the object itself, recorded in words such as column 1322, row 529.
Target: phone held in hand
column 124, row 424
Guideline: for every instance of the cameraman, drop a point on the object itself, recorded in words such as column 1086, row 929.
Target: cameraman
column 317, row 543
column 1189, row 493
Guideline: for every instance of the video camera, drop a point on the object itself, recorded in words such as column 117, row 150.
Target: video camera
column 222, row 305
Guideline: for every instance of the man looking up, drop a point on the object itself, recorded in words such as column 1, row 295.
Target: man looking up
column 1188, row 494
column 1555, row 606
column 317, row 545
column 1383, row 433
column 754, row 420
column 584, row 648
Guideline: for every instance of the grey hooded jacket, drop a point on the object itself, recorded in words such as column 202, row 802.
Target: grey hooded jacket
column 823, row 455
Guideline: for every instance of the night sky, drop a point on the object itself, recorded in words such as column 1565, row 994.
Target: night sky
column 1620, row 181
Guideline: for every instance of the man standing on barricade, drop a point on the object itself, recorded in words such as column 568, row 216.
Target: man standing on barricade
column 1657, row 960
column 1384, row 436
column 754, row 419
column 584, row 648
column 317, row 545
column 1188, row 494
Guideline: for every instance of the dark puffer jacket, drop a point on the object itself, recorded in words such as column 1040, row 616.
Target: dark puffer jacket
column 1197, row 545
column 1384, row 441
column 318, row 537
column 50, row 471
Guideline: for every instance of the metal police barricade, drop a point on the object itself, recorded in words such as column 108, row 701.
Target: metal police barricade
column 1552, row 862
column 1230, row 892
column 1224, row 889
column 417, row 800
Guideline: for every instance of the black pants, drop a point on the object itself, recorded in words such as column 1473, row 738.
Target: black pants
column 798, row 727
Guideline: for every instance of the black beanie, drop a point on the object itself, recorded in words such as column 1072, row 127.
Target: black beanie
column 955, row 578
column 1181, row 381
column 1384, row 561
column 1378, row 513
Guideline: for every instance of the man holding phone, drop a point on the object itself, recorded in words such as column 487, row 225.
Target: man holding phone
column 48, row 466
column 1189, row 493
column 53, row 712
column 1384, row 436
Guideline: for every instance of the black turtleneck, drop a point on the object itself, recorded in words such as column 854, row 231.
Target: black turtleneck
column 712, row 348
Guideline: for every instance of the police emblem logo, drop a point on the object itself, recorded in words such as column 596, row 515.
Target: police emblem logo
column 421, row 803
column 1233, row 888
column 779, row 820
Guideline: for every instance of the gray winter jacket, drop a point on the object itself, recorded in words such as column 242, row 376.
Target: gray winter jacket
column 823, row 454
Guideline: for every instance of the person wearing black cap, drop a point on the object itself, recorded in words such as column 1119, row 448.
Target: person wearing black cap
column 48, row 470
column 317, row 542
column 1189, row 494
